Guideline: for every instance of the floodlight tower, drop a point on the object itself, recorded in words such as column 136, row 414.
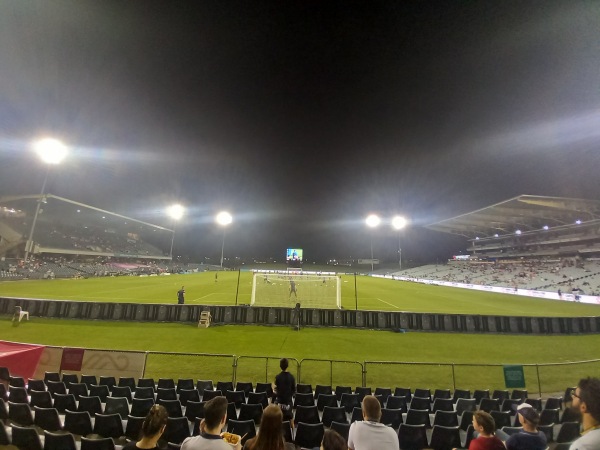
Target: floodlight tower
column 373, row 222
column 175, row 212
column 398, row 223
column 223, row 219
column 52, row 152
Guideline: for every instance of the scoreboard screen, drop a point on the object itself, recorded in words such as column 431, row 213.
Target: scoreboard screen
column 294, row 254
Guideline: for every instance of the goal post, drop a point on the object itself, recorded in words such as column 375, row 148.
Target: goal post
column 285, row 289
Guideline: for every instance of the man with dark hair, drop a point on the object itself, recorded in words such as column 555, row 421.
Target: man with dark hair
column 586, row 399
column 215, row 416
column 529, row 438
column 181, row 296
column 370, row 434
column 284, row 388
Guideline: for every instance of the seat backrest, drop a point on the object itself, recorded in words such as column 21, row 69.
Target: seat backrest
column 309, row 435
column 97, row 444
column 412, row 437
column 26, row 438
column 109, row 425
column 244, row 428
column 177, row 430
column 59, row 441
column 444, row 438
column 47, row 419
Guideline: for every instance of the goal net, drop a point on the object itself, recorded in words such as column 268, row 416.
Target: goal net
column 287, row 289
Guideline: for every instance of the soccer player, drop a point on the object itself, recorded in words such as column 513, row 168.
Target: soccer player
column 293, row 289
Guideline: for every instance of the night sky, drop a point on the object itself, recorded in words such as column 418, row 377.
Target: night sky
column 301, row 117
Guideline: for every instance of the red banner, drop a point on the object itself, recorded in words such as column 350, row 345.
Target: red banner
column 72, row 359
column 21, row 359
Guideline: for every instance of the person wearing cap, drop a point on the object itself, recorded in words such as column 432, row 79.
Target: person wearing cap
column 586, row 399
column 530, row 438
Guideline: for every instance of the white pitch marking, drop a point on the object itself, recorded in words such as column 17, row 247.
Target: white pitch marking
column 387, row 303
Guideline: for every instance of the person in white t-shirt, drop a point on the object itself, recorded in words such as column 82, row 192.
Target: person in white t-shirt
column 370, row 434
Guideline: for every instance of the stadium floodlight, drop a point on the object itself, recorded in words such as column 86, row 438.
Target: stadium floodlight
column 398, row 223
column 52, row 152
column 546, row 227
column 518, row 232
column 223, row 219
column 175, row 212
column 372, row 222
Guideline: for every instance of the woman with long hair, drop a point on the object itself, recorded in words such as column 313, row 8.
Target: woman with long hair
column 152, row 429
column 270, row 436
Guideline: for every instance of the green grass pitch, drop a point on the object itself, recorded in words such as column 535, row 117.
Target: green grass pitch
column 315, row 344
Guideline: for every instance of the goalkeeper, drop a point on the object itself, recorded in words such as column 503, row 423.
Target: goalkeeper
column 293, row 289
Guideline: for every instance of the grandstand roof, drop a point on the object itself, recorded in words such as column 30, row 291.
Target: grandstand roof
column 525, row 213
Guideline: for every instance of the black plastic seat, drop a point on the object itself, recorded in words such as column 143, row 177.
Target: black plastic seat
column 202, row 385
column 88, row 380
column 510, row 405
column 413, row 437
column 286, row 430
column 17, row 394
column 444, row 438
column 445, row 418
column 3, row 392
column 535, row 402
column 193, row 410
column 442, row 404
column 569, row 415
column 109, row 425
column 173, row 407
column 553, row 403
column 123, row 391
column 26, row 438
column 479, row 394
column 51, row 376
column 466, row 404
column 396, row 402
column 304, row 399
column 251, row 412
column 391, row 417
column 35, row 385
column 62, row 402
column 548, row 430
column 339, row 390
column 78, row 390
column 323, row 389
column 16, row 382
column 549, row 416
column 4, row 435
column 245, row 386
column 243, row 428
column 362, row 391
column 403, row 392
column 141, row 406
column 47, row 419
column 127, row 381
column 441, row 393
column 93, row 405
column 501, row 395
column 97, row 444
column 569, row 431
column 100, row 390
column 144, row 392
column 303, row 388
column 258, row 397
column 466, row 420
column 177, row 430
column 59, row 441
column 43, row 399
column 133, row 429
column 186, row 395
column 332, row 414
column 489, row 404
column 68, row 378
column 309, row 435
column 56, row 387
column 117, row 405
column 20, row 414
column 357, row 414
column 165, row 383
column 350, row 401
column 209, row 395
column 307, row 414
column 78, row 423
column 342, row 428
column 519, row 394
column 264, row 387
column 146, row 382
column 108, row 381
column 3, row 409
column 417, row 417
column 237, row 397
column 184, row 383
column 166, row 394
column 461, row 393
column 423, row 393
column 420, row 403
column 501, row 418
column 224, row 386
column 324, row 400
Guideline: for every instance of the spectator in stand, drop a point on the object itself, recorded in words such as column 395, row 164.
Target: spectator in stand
column 333, row 441
column 269, row 435
column 284, row 388
column 152, row 429
column 370, row 434
column 586, row 399
column 215, row 416
column 529, row 438
column 181, row 296
column 484, row 426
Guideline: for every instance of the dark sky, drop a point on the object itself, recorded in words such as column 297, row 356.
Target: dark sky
column 300, row 117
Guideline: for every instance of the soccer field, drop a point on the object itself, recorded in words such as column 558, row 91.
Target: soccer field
column 370, row 294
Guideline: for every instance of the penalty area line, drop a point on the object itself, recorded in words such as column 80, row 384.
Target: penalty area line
column 383, row 301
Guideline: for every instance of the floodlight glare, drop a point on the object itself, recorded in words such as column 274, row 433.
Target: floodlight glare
column 373, row 220
column 399, row 222
column 51, row 151
column 224, row 218
column 518, row 232
column 578, row 222
column 546, row 227
column 176, row 211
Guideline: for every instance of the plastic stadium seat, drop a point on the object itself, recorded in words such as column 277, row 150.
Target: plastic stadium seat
column 466, row 404
column 466, row 420
column 16, row 382
column 304, row 399
column 56, row 387
column 342, row 428
column 97, row 444
column 173, row 407
column 423, row 393
column 78, row 423
column 480, row 394
column 118, row 405
column 309, row 435
column 468, row 436
column 333, row 414
column 339, row 390
column 535, row 402
column 43, row 399
column 501, row 418
column 133, row 429
column 51, row 376
column 441, row 393
column 403, row 392
column 194, row 409
column 130, row 383
column 35, row 385
column 286, row 430
column 93, row 405
column 20, row 413
column 323, row 389
column 201, row 385
column 569, row 415
column 420, row 403
column 501, row 395
column 17, row 394
column 350, row 401
column 251, row 412
column 62, row 402
column 569, row 431
column 304, row 388
column 307, row 414
column 100, row 390
column 59, row 441
column 519, row 394
column 549, row 416
column 237, row 397
column 356, row 415
column 391, row 417
column 244, row 386
column 242, row 427
column 224, row 386
column 444, row 438
column 186, row 395
column 412, row 437
column 442, row 404
column 144, row 392
column 397, row 402
column 107, row 381
column 166, row 394
column 184, row 383
column 209, row 395
column 361, row 391
column 510, row 405
column 461, row 393
column 177, row 430
column 489, row 404
column 123, row 391
column 384, row 392
column 78, row 390
column 418, row 417
column 88, row 380
column 3, row 435
column 26, row 438
column 568, row 397
column 3, row 393
column 165, row 383
column 146, row 382
column 109, row 425
column 258, row 397
column 264, row 387
column 324, row 400
column 553, row 403
column 445, row 418
column 47, row 419
column 69, row 378
column 548, row 430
